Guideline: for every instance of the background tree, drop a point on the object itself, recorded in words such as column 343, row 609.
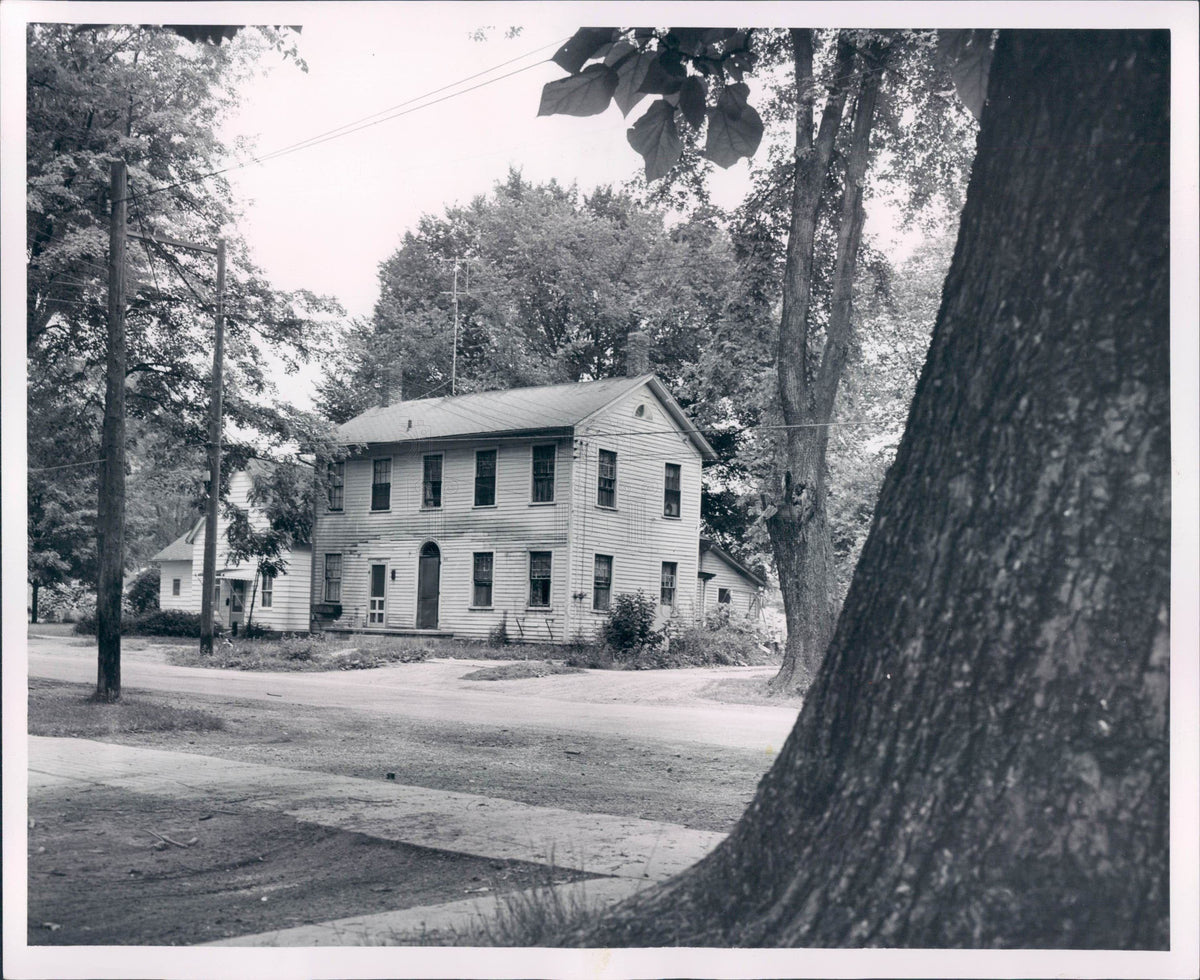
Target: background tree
column 983, row 759
column 550, row 284
column 145, row 95
column 824, row 177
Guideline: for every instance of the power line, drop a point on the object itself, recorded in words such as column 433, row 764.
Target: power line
column 354, row 127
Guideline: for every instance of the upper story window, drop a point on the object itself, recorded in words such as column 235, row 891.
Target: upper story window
column 336, row 485
column 431, row 485
column 268, row 590
column 485, row 478
column 333, row 578
column 543, row 474
column 672, row 490
column 381, row 484
column 539, row 578
column 481, row 594
column 606, row 488
column 602, row 583
column 669, row 569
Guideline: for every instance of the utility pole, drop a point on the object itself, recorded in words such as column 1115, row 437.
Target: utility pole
column 110, row 517
column 214, row 435
column 214, row 464
column 454, row 357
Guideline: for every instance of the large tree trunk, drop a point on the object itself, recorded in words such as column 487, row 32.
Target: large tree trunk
column 983, row 759
column 33, row 610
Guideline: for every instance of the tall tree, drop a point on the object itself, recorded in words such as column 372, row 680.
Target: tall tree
column 824, row 177
column 983, row 759
column 144, row 95
column 550, row 283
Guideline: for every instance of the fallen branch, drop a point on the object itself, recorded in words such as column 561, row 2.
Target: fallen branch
column 164, row 837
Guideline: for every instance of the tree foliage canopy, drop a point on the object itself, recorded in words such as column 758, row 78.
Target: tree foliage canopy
column 145, row 95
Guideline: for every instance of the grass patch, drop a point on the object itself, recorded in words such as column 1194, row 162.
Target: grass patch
column 300, row 652
column 519, row 669
column 70, row 713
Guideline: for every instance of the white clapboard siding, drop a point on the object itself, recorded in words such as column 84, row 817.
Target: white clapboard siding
column 170, row 572
column 510, row 529
column 743, row 592
column 289, row 611
column 636, row 533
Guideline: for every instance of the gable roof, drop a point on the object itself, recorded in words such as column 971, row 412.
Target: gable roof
column 512, row 411
column 181, row 548
column 708, row 545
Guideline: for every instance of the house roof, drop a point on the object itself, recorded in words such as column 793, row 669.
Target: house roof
column 707, row 544
column 512, row 411
column 181, row 548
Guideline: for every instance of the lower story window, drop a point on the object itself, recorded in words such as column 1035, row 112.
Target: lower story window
column 333, row 578
column 602, row 583
column 539, row 579
column 724, row 596
column 481, row 595
column 668, row 583
column 268, row 590
column 175, row 583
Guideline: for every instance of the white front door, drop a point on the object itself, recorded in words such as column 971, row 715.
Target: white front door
column 376, row 608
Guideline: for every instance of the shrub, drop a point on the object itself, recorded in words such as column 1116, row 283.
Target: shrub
column 498, row 636
column 630, row 623
column 157, row 622
column 143, row 591
column 66, row 602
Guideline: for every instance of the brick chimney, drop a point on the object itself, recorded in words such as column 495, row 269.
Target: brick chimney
column 637, row 353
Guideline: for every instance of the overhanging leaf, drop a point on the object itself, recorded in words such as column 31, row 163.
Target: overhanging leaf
column 585, row 94
column 734, row 128
column 662, row 77
column 632, row 74
column 968, row 54
column 618, row 53
column 656, row 138
column 586, row 42
column 691, row 100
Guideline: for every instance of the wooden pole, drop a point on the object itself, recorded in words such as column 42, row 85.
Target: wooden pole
column 110, row 517
column 454, row 357
column 214, row 465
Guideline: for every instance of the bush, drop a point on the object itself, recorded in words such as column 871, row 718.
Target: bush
column 142, row 593
column 157, row 622
column 66, row 602
column 630, row 623
column 498, row 636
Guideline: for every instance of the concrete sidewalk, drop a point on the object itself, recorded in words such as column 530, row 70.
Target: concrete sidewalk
column 411, row 926
column 625, row 847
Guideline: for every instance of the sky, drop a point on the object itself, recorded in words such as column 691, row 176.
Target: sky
column 323, row 218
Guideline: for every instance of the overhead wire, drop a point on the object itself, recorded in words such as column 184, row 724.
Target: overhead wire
column 365, row 122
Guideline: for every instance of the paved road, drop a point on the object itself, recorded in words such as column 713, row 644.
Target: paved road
column 665, row 706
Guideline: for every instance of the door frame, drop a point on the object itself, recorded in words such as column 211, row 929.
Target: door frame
column 234, row 593
column 417, row 591
column 371, row 563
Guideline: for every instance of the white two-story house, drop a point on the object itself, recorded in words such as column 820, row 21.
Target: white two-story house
column 534, row 507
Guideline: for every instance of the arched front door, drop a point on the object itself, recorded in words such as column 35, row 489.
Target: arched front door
column 428, row 586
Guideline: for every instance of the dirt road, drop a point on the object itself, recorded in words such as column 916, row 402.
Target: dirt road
column 654, row 705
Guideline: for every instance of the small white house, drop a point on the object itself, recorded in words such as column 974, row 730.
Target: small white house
column 724, row 583
column 280, row 602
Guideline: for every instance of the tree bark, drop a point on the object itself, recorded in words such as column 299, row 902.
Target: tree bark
column 33, row 610
column 110, row 517
column 798, row 522
column 983, row 758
